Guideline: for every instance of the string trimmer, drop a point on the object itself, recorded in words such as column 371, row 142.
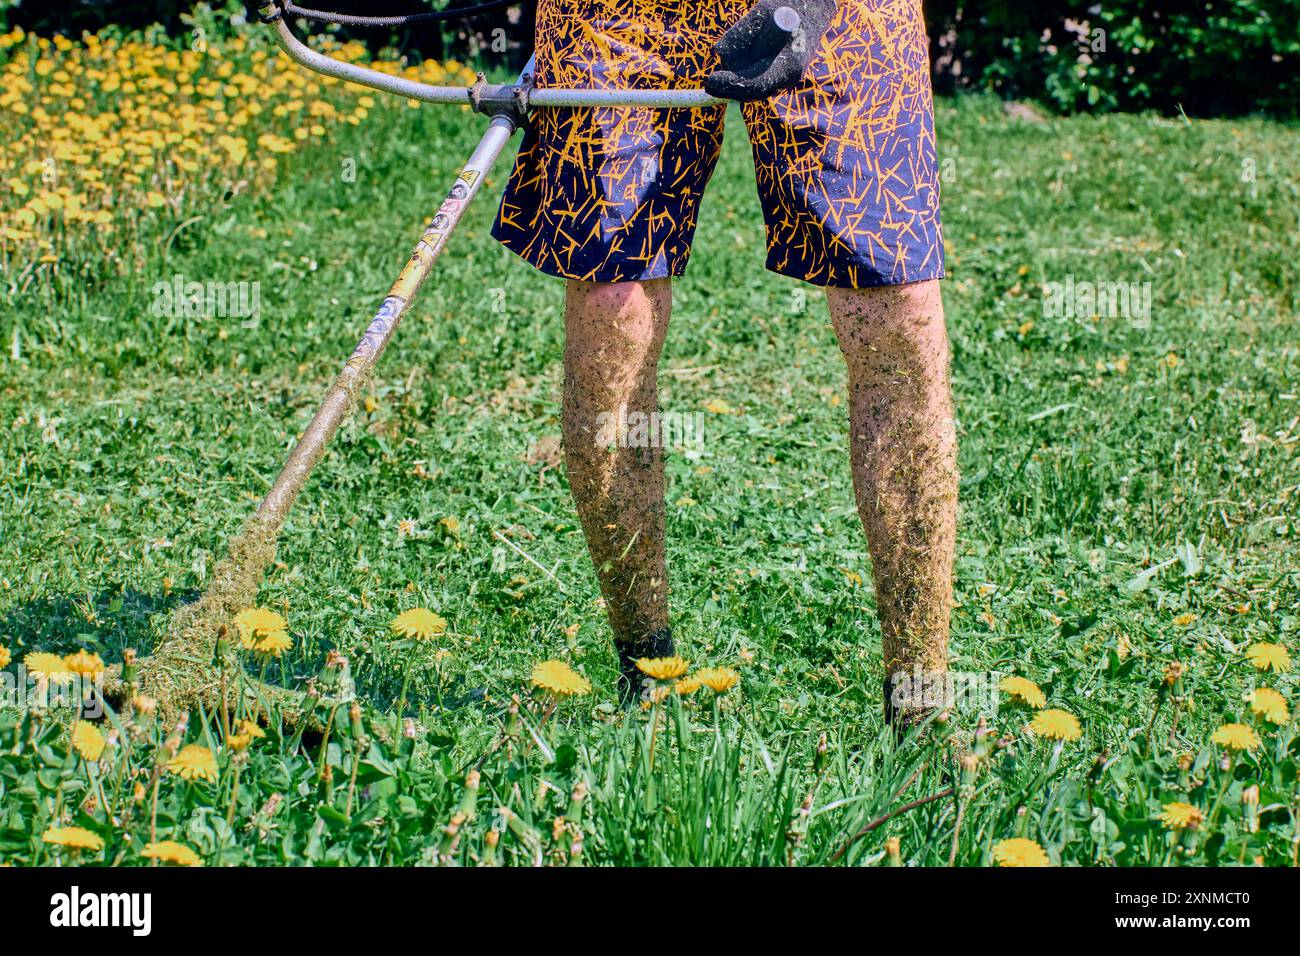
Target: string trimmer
column 175, row 673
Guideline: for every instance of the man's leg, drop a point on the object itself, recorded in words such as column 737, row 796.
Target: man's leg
column 903, row 449
column 614, row 333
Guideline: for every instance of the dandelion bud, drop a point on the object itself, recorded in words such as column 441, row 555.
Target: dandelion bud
column 451, row 834
column 173, row 743
column 970, row 766
column 819, row 759
column 328, row 677
column 490, row 847
column 983, row 738
column 470, row 797
column 1250, row 800
column 137, row 792
column 893, row 852
column 576, row 799
column 408, row 728
column 354, row 719
column 144, row 704
column 223, row 644
column 129, row 669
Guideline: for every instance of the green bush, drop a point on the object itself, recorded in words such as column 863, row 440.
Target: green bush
column 1208, row 57
column 1205, row 57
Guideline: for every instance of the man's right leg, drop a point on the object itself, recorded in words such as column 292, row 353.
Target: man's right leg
column 614, row 334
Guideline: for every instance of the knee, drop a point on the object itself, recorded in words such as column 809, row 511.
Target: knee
column 606, row 298
column 618, row 325
column 891, row 332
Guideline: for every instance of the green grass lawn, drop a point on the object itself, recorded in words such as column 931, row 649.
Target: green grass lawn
column 1128, row 501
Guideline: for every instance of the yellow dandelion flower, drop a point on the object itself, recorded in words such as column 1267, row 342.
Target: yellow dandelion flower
column 1236, row 737
column 254, row 623
column 273, row 644
column 1269, row 704
column 418, row 623
column 1023, row 690
column 51, row 667
column 246, row 731
column 169, row 851
column 88, row 741
column 1181, row 816
column 75, row 837
column 718, row 679
column 5, row 657
column 1019, row 852
column 557, row 677
column 194, row 761
column 253, row 619
column 662, row 668
column 84, row 664
column 1269, row 657
column 688, row 685
column 1056, row 725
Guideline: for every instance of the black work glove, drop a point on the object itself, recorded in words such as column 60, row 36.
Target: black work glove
column 768, row 50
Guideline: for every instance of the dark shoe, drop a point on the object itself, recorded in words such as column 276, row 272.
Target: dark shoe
column 631, row 681
column 906, row 709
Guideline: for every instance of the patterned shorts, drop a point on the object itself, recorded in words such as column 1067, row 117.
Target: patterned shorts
column 845, row 161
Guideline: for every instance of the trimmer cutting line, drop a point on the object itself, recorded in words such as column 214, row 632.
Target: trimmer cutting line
column 171, row 672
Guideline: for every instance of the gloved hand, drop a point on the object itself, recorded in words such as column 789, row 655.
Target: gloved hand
column 768, row 50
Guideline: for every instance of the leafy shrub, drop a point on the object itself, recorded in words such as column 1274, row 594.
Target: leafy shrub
column 1208, row 57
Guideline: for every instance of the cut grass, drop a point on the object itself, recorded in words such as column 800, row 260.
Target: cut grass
column 133, row 446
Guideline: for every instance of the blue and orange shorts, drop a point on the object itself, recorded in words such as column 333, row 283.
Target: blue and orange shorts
column 845, row 161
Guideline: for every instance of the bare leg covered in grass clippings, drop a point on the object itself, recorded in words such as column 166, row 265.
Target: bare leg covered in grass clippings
column 903, row 449
column 614, row 333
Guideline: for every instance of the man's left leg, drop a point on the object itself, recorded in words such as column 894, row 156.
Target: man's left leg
column 903, row 450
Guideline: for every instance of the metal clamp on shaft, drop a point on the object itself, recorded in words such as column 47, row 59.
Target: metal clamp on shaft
column 267, row 11
column 502, row 99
